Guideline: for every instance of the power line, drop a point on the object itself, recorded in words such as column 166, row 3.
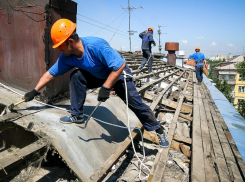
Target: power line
column 117, row 29
column 131, row 32
column 144, row 24
column 139, row 20
column 100, row 23
column 109, row 24
column 104, row 28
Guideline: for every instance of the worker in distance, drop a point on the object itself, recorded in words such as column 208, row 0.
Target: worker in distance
column 98, row 65
column 147, row 41
column 200, row 62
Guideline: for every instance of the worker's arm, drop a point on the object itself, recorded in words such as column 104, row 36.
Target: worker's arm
column 45, row 79
column 104, row 92
column 113, row 77
column 152, row 40
column 141, row 35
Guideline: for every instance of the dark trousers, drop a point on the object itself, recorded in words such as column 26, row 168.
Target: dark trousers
column 199, row 72
column 80, row 80
column 146, row 56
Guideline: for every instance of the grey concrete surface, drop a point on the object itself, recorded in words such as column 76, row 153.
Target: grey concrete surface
column 84, row 150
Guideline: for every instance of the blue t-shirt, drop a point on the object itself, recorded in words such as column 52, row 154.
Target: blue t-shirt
column 98, row 58
column 198, row 57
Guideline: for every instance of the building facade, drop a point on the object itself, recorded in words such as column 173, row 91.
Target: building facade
column 230, row 74
column 239, row 90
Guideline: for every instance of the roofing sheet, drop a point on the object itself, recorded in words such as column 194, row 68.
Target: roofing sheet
column 232, row 118
column 84, row 150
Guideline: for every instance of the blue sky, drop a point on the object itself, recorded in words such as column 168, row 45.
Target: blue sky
column 216, row 26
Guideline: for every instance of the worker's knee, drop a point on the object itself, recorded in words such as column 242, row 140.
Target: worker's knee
column 77, row 76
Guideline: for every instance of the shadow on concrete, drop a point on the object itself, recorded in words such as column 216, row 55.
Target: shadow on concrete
column 116, row 134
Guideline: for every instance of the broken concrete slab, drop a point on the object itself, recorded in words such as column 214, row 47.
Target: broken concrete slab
column 80, row 148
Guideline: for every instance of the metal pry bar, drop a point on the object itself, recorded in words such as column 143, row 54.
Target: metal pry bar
column 86, row 122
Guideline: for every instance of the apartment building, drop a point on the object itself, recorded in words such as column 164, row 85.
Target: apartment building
column 239, row 90
column 229, row 73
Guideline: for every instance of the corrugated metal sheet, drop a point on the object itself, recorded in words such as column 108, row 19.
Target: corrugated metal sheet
column 26, row 51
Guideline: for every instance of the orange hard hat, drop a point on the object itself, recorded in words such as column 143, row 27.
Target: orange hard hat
column 151, row 29
column 197, row 48
column 61, row 31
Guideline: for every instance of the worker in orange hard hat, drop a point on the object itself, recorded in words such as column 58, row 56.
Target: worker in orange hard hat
column 147, row 40
column 199, row 60
column 197, row 49
column 150, row 29
column 98, row 65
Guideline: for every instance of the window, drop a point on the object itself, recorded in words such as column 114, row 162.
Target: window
column 231, row 77
column 222, row 77
column 240, row 89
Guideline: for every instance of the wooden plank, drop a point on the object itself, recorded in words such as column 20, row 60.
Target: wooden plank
column 172, row 104
column 153, row 167
column 236, row 153
column 151, row 74
column 175, row 145
column 160, row 166
column 176, row 96
column 160, row 95
column 16, row 162
column 239, row 160
column 147, row 86
column 153, row 68
column 197, row 162
column 100, row 173
column 151, row 136
column 189, row 118
column 185, row 140
column 229, row 157
column 220, row 162
column 210, row 172
column 184, row 150
column 168, row 110
column 189, row 90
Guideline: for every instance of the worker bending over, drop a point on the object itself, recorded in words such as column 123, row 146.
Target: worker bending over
column 98, row 65
column 147, row 40
column 199, row 60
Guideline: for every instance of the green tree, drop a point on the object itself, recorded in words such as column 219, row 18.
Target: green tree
column 224, row 88
column 241, row 69
column 213, row 64
column 241, row 108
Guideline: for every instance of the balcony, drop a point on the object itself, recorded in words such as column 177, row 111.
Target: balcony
column 230, row 81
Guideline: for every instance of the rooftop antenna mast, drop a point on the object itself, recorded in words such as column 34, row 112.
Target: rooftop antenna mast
column 159, row 32
column 131, row 32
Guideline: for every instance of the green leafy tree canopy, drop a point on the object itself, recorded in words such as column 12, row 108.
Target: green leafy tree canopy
column 241, row 69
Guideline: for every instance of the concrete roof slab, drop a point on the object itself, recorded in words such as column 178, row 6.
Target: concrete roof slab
column 84, row 150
